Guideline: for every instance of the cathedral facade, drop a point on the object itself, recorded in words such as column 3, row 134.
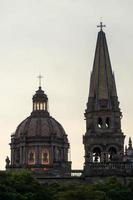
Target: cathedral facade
column 41, row 144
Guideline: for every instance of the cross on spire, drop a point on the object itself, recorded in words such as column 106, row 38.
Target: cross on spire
column 101, row 26
column 40, row 78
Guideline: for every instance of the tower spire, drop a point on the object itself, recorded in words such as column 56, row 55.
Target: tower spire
column 103, row 139
column 102, row 84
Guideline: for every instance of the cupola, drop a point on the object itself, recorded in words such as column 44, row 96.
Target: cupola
column 40, row 101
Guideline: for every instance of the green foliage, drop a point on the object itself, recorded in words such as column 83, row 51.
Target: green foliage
column 23, row 186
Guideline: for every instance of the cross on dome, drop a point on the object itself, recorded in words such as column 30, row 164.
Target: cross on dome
column 101, row 26
column 40, row 79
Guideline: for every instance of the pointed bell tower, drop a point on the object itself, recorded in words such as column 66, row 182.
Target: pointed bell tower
column 103, row 140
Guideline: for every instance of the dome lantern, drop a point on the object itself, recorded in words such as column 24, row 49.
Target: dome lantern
column 40, row 101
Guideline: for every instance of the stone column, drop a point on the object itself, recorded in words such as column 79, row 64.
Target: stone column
column 102, row 156
column 91, row 157
column 21, row 156
column 54, row 158
column 12, row 156
column 24, row 155
column 63, row 154
column 106, row 154
column 51, row 154
column 36, row 155
column 39, row 154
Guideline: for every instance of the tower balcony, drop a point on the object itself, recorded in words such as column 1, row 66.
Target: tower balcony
column 108, row 169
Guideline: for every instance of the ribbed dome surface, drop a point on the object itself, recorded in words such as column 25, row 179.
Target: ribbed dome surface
column 39, row 126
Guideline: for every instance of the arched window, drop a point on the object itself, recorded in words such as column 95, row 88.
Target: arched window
column 45, row 156
column 41, row 106
column 34, row 106
column 31, row 157
column 38, row 106
column 100, row 122
column 107, row 122
column 112, row 154
column 96, row 154
column 58, row 154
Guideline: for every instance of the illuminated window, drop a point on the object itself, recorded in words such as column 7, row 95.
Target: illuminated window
column 31, row 157
column 34, row 106
column 45, row 157
column 41, row 106
column 44, row 106
column 37, row 106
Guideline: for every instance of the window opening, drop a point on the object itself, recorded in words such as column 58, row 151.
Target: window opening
column 96, row 154
column 107, row 122
column 100, row 123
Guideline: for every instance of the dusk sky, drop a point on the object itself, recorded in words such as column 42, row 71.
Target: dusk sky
column 57, row 38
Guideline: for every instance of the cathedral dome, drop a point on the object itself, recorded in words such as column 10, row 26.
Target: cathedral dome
column 35, row 126
column 40, row 142
column 39, row 123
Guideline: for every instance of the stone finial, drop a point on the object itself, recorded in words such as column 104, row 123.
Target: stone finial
column 130, row 143
column 7, row 161
column 126, row 150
